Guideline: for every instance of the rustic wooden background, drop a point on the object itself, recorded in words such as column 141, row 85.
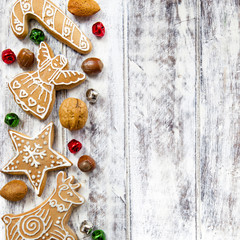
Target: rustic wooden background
column 166, row 130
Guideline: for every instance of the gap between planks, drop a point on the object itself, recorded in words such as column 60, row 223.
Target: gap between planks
column 126, row 117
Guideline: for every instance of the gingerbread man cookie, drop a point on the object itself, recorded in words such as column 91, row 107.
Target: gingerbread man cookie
column 35, row 157
column 35, row 91
column 48, row 220
column 52, row 19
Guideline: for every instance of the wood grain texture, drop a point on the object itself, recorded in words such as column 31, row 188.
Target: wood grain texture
column 219, row 115
column 165, row 131
column 162, row 119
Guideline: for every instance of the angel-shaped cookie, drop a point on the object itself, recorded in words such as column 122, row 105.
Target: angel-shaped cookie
column 34, row 91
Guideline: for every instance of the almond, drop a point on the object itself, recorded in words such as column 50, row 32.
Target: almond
column 83, row 8
column 14, row 191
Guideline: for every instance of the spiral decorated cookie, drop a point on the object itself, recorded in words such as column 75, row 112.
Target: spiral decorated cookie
column 52, row 19
column 35, row 157
column 35, row 91
column 48, row 220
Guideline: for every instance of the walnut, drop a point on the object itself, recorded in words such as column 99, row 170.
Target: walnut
column 73, row 113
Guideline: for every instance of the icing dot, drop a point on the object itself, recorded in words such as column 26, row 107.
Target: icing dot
column 12, row 168
column 58, row 157
column 59, row 218
column 53, row 162
column 17, row 162
column 15, row 167
column 38, row 176
column 47, row 234
column 43, row 136
column 38, row 180
column 51, row 156
column 36, row 184
column 45, row 143
column 18, row 138
column 14, row 136
column 57, row 222
column 26, row 153
column 48, row 129
column 37, row 150
column 33, row 176
column 30, row 160
column 36, row 157
column 49, row 69
column 37, row 137
column 31, row 148
column 22, row 141
column 29, row 171
column 12, row 163
column 21, row 151
column 19, row 145
column 52, row 165
column 43, row 237
column 46, row 166
column 27, row 143
column 46, row 133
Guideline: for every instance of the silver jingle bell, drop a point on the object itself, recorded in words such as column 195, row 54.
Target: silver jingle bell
column 92, row 95
column 86, row 227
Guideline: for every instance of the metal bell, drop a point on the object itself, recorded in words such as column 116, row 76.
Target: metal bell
column 92, row 95
column 86, row 227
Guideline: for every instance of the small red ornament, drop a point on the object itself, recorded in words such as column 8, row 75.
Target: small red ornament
column 74, row 146
column 8, row 56
column 98, row 29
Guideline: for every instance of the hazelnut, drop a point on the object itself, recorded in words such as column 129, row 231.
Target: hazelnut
column 14, row 191
column 92, row 66
column 86, row 163
column 25, row 58
column 73, row 113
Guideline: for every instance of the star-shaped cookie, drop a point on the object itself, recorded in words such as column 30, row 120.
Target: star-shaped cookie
column 35, row 157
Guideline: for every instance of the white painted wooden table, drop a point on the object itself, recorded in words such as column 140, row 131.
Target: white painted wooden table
column 166, row 130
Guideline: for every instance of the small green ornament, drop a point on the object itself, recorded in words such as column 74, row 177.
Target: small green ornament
column 12, row 119
column 98, row 235
column 37, row 36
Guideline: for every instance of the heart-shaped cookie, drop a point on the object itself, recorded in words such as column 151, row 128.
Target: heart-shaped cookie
column 83, row 8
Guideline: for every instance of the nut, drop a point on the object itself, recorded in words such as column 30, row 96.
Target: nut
column 92, row 66
column 83, row 8
column 73, row 113
column 14, row 191
column 25, row 58
column 86, row 163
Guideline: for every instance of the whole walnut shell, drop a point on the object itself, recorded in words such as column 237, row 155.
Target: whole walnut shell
column 73, row 113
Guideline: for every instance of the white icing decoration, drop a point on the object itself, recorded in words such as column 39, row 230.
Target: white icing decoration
column 53, row 162
column 16, row 84
column 32, row 102
column 33, row 177
column 22, row 141
column 17, row 162
column 29, row 171
column 32, row 154
column 21, row 152
column 23, row 93
column 19, row 145
column 51, row 156
column 43, row 136
column 12, row 163
column 45, row 142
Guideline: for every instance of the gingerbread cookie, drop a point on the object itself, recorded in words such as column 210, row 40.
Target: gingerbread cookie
column 35, row 91
column 35, row 157
column 48, row 220
column 52, row 19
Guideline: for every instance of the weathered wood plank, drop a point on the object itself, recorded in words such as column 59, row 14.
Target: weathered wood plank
column 161, row 101
column 219, row 115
